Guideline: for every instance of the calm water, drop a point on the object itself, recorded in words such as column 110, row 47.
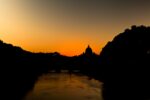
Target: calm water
column 62, row 86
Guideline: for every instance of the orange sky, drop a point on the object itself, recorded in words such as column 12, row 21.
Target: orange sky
column 66, row 27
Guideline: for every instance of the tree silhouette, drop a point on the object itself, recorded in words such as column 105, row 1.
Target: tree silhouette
column 126, row 62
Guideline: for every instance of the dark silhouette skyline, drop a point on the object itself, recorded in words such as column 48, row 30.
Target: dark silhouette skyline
column 123, row 66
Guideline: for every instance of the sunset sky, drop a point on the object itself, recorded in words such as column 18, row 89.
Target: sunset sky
column 68, row 26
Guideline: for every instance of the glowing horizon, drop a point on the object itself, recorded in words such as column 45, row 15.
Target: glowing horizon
column 68, row 26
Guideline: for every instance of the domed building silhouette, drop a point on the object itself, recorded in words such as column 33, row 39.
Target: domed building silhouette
column 88, row 51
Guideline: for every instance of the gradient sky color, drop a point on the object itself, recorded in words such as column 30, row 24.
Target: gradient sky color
column 68, row 26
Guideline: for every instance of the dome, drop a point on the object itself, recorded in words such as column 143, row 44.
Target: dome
column 88, row 50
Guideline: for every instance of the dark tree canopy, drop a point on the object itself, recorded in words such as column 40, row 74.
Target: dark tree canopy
column 126, row 63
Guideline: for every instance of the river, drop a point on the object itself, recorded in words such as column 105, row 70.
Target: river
column 65, row 86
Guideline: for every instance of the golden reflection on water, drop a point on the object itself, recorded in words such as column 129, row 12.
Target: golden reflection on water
column 62, row 86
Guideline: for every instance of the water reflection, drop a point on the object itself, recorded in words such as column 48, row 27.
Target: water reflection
column 63, row 86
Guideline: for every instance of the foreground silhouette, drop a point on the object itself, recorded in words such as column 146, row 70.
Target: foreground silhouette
column 20, row 69
column 126, row 65
column 123, row 66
